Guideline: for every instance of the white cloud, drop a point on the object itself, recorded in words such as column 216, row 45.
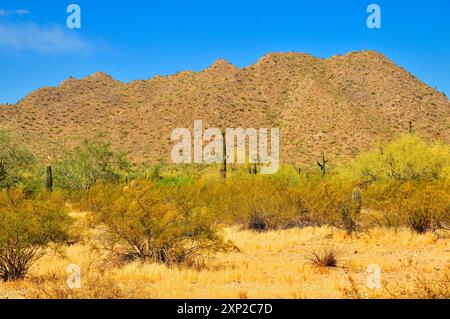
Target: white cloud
column 22, row 12
column 19, row 12
column 44, row 39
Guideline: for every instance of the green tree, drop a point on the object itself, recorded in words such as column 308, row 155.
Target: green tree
column 16, row 161
column 89, row 163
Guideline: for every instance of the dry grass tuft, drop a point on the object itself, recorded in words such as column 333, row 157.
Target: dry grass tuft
column 326, row 258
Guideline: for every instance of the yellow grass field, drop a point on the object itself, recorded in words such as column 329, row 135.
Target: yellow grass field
column 272, row 264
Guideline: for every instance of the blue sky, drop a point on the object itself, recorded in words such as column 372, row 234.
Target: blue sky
column 139, row 39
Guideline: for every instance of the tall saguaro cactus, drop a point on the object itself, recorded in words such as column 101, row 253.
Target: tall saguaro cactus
column 49, row 178
column 357, row 200
column 323, row 165
column 224, row 160
column 253, row 167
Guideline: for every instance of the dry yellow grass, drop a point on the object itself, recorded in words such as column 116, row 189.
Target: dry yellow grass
column 269, row 265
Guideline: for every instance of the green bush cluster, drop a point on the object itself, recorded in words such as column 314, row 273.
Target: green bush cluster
column 404, row 183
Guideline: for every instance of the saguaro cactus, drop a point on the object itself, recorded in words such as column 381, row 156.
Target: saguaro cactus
column 323, row 165
column 357, row 200
column 410, row 130
column 253, row 168
column 224, row 160
column 49, row 178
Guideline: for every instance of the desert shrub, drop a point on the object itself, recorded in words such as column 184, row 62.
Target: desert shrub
column 422, row 206
column 16, row 161
column 155, row 172
column 405, row 183
column 421, row 220
column 153, row 226
column 89, row 163
column 263, row 203
column 407, row 158
column 283, row 200
column 330, row 201
column 27, row 228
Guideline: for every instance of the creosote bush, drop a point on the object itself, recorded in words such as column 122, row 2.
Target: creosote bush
column 28, row 226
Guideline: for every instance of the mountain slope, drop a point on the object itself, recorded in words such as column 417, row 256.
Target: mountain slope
column 340, row 105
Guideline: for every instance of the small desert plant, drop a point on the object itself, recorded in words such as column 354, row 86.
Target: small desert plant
column 257, row 223
column 420, row 220
column 352, row 291
column 325, row 258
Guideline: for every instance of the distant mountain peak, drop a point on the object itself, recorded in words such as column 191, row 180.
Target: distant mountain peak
column 100, row 76
column 222, row 65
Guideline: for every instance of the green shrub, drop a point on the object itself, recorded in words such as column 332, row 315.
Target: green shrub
column 27, row 228
column 153, row 226
column 329, row 200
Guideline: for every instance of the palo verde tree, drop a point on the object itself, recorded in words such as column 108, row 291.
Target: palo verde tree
column 91, row 162
column 407, row 158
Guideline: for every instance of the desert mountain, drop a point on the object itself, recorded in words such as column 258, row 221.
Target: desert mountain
column 340, row 105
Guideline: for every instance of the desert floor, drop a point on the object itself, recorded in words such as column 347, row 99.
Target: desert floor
column 272, row 264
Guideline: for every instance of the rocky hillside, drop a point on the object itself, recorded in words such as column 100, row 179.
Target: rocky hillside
column 340, row 105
